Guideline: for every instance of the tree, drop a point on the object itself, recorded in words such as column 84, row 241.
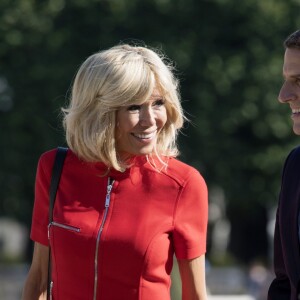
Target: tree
column 228, row 58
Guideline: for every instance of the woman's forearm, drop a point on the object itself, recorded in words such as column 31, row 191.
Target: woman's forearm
column 35, row 287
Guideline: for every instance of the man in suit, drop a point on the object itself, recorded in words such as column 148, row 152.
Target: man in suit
column 286, row 285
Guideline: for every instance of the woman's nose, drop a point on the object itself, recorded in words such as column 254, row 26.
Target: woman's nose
column 147, row 117
column 287, row 93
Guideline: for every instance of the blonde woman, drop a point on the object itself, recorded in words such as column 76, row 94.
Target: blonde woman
column 125, row 205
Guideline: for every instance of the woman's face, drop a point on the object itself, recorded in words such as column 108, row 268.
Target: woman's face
column 138, row 126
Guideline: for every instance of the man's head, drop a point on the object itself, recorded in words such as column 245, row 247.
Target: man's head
column 290, row 90
column 293, row 41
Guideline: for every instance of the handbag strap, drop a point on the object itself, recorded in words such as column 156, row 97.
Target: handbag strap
column 56, row 173
column 55, row 178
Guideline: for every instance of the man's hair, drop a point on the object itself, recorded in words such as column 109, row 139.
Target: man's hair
column 111, row 79
column 293, row 40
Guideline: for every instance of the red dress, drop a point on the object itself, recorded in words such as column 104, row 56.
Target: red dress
column 113, row 237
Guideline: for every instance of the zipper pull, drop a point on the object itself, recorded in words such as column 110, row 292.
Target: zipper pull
column 109, row 188
column 49, row 225
column 51, row 287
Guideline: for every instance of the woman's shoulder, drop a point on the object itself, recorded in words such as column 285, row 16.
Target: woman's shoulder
column 182, row 172
column 47, row 158
column 72, row 162
column 49, row 154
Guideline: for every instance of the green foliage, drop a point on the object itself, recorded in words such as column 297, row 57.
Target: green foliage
column 228, row 57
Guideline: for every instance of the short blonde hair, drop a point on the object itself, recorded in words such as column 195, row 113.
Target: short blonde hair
column 108, row 80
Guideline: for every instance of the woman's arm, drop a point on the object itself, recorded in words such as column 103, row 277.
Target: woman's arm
column 35, row 287
column 192, row 272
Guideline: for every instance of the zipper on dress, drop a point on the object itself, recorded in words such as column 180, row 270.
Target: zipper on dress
column 68, row 227
column 51, row 287
column 110, row 183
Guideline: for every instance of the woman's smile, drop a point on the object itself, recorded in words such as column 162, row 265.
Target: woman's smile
column 145, row 136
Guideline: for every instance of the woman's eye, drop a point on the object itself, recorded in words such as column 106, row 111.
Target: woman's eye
column 159, row 102
column 133, row 107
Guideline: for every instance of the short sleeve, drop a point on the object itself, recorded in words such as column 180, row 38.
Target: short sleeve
column 40, row 215
column 191, row 218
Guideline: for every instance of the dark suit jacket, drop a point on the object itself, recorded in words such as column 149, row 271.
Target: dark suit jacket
column 286, row 242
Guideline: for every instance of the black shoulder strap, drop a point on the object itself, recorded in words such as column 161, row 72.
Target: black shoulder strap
column 55, row 177
column 56, row 173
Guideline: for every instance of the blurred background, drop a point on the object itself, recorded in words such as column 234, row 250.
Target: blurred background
column 228, row 55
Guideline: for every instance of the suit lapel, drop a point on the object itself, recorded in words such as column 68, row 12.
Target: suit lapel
column 289, row 206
